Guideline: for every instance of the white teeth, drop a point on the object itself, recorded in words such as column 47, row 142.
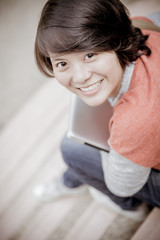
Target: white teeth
column 92, row 87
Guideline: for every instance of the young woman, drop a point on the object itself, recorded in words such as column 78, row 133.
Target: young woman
column 92, row 48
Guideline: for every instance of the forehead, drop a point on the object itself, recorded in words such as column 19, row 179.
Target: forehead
column 57, row 56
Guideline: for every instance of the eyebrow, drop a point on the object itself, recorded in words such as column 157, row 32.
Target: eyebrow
column 57, row 57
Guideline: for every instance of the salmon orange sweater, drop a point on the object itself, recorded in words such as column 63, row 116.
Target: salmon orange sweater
column 135, row 125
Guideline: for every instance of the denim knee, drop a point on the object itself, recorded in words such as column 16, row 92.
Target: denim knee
column 67, row 150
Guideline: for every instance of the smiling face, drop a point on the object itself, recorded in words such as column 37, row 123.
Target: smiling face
column 92, row 76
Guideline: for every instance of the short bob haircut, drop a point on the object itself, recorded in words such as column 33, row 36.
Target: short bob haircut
column 68, row 26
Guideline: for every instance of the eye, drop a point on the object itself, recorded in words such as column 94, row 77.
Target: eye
column 89, row 55
column 61, row 64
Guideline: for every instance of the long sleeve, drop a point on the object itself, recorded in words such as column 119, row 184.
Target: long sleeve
column 123, row 177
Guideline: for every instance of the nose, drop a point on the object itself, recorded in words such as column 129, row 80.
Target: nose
column 81, row 73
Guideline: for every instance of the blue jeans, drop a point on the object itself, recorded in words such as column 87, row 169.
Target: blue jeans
column 84, row 167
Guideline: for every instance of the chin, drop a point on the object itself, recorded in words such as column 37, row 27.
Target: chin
column 94, row 102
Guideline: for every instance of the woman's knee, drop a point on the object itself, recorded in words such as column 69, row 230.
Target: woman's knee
column 69, row 150
column 77, row 155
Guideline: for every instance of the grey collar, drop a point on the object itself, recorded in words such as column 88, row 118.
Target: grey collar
column 127, row 76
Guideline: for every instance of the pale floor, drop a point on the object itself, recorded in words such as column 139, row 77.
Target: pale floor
column 33, row 119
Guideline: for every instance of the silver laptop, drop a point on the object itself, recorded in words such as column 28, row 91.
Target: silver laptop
column 89, row 125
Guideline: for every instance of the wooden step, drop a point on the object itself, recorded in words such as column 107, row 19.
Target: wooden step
column 150, row 229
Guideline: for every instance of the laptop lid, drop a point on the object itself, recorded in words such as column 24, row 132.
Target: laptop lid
column 89, row 125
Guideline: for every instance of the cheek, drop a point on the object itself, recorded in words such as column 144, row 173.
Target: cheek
column 62, row 79
column 119, row 71
column 105, row 67
column 115, row 69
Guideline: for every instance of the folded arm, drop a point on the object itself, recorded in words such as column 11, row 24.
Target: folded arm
column 123, row 177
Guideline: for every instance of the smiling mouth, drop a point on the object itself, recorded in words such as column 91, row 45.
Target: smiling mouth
column 91, row 87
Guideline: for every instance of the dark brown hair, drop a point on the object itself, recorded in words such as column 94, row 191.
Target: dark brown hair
column 69, row 26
